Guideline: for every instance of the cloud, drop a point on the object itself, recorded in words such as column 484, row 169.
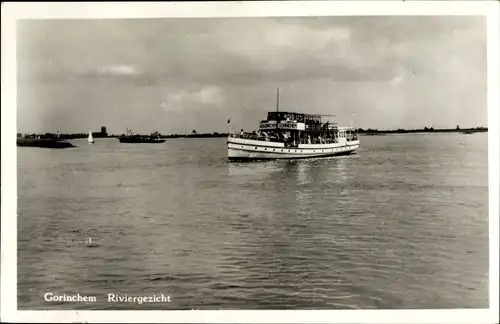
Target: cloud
column 409, row 68
column 270, row 36
column 280, row 47
column 210, row 95
column 206, row 96
column 117, row 70
column 246, row 52
column 397, row 80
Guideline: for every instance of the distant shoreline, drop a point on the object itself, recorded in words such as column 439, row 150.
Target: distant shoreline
column 361, row 131
column 425, row 130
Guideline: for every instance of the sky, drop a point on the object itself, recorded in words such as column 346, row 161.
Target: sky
column 177, row 75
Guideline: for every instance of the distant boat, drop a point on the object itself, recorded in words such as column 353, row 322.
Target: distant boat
column 43, row 142
column 154, row 138
column 91, row 139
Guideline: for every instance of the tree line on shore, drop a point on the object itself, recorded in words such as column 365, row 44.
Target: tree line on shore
column 370, row 131
column 98, row 135
column 195, row 134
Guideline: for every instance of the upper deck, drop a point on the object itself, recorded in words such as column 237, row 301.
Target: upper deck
column 298, row 117
column 296, row 121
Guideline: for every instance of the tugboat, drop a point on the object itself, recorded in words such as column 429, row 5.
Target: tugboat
column 134, row 138
column 46, row 142
column 289, row 135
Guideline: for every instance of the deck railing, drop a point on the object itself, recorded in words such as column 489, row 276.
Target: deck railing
column 256, row 137
column 290, row 142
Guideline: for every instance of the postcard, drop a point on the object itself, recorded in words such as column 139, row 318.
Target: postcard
column 250, row 162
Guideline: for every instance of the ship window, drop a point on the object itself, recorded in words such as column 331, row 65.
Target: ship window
column 256, row 147
column 242, row 146
column 281, row 150
column 274, row 150
column 265, row 149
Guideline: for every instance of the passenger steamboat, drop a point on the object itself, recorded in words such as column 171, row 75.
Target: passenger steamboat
column 290, row 135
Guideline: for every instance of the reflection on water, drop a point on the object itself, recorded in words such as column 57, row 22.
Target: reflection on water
column 401, row 224
column 252, row 168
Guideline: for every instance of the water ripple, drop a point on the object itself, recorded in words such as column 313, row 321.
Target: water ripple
column 402, row 224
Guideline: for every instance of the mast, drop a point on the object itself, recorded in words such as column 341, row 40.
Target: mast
column 277, row 107
column 278, row 100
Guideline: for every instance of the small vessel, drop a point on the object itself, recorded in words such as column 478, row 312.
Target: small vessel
column 90, row 139
column 36, row 141
column 134, row 138
column 290, row 135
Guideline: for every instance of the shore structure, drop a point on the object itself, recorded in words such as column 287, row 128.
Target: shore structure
column 290, row 135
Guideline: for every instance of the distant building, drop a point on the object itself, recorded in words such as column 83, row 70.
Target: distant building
column 103, row 131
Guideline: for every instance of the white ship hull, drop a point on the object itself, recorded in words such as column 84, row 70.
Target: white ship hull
column 245, row 149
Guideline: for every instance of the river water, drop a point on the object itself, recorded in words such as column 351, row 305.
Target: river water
column 402, row 224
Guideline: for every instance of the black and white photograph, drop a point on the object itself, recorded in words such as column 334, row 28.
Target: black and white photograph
column 250, row 156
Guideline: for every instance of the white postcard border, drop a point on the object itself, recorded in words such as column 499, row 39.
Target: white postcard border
column 13, row 11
